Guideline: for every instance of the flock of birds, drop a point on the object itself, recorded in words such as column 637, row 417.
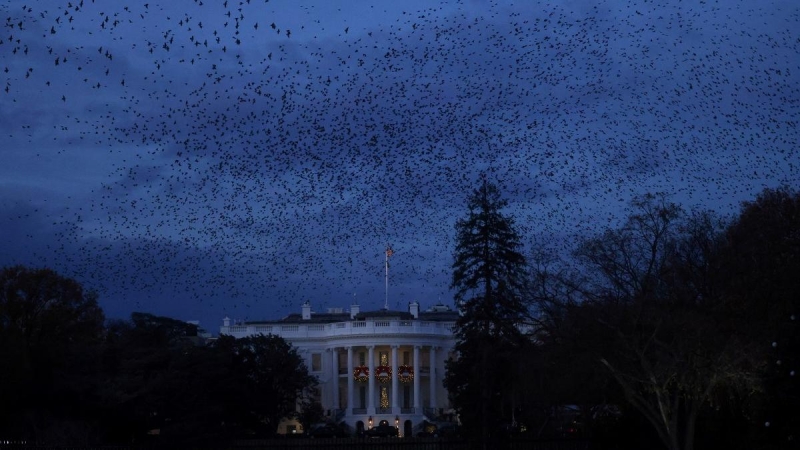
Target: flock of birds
column 238, row 157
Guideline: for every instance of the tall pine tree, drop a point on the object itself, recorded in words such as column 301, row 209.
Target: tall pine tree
column 488, row 279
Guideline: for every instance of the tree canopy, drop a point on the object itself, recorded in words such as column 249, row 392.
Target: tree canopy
column 679, row 308
column 270, row 378
column 50, row 332
column 71, row 378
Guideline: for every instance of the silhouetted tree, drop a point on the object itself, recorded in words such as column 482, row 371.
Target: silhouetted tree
column 761, row 259
column 50, row 330
column 488, row 279
column 268, row 380
column 653, row 305
column 159, row 376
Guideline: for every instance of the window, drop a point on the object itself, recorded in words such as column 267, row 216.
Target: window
column 362, row 391
column 406, row 357
column 316, row 362
column 362, row 359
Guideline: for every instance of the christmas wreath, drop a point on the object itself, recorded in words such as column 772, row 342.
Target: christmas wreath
column 383, row 374
column 405, row 373
column 361, row 374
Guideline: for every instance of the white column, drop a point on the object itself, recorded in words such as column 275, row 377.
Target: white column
column 395, row 409
column 371, row 393
column 335, row 379
column 350, row 381
column 417, row 405
column 433, row 377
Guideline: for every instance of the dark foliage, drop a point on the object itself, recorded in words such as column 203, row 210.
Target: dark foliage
column 761, row 258
column 70, row 380
column 50, row 331
column 693, row 317
column 488, row 279
column 269, row 377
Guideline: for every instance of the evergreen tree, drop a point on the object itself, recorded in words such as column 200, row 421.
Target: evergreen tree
column 488, row 279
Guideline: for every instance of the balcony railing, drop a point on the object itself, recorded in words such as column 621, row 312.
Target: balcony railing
column 351, row 328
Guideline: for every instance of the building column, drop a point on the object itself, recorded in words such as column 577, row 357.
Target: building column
column 371, row 393
column 395, row 409
column 433, row 377
column 335, row 379
column 417, row 374
column 350, row 381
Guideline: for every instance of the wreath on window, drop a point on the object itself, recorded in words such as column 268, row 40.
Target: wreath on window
column 383, row 374
column 361, row 374
column 405, row 373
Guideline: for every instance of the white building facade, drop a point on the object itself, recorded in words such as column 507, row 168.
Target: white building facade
column 372, row 366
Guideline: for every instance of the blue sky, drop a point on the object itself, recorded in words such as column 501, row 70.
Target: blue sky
column 198, row 159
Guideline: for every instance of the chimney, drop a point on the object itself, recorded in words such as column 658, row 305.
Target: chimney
column 413, row 308
column 307, row 310
column 226, row 322
column 354, row 310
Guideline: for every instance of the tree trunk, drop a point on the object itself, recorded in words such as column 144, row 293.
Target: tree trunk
column 486, row 394
column 688, row 433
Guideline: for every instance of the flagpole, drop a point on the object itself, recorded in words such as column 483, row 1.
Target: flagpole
column 389, row 253
column 386, row 300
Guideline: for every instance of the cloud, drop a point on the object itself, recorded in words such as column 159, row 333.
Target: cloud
column 274, row 170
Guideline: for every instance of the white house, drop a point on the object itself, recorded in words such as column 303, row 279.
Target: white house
column 372, row 365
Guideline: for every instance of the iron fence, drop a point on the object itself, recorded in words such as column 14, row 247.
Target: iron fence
column 342, row 444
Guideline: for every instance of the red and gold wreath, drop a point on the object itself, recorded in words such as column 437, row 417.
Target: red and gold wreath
column 361, row 374
column 405, row 373
column 383, row 374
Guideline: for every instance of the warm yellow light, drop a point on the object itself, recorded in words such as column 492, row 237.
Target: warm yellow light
column 384, row 397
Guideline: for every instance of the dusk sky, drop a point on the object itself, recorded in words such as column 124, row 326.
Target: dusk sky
column 202, row 159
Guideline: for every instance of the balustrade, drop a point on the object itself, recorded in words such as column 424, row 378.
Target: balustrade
column 351, row 328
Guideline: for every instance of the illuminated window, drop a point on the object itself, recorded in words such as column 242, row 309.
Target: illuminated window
column 316, row 362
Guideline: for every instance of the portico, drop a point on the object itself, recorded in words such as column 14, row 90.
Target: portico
column 384, row 379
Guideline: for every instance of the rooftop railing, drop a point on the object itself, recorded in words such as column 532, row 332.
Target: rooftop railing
column 350, row 328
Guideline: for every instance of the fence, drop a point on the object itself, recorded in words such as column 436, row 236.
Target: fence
column 411, row 444
column 348, row 444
